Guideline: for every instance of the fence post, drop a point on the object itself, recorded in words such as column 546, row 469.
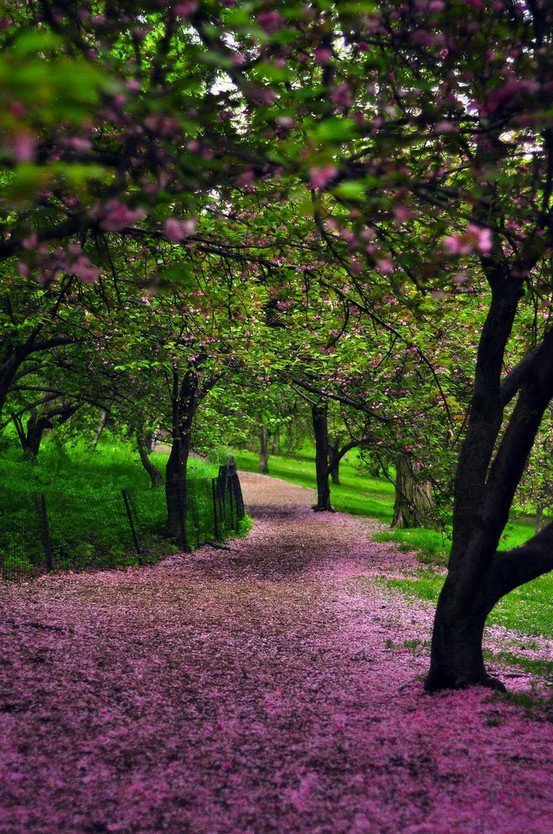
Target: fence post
column 239, row 499
column 215, row 508
column 131, row 525
column 45, row 531
column 193, row 504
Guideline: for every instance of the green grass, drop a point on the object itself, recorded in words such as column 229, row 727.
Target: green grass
column 433, row 547
column 357, row 494
column 527, row 609
column 87, row 519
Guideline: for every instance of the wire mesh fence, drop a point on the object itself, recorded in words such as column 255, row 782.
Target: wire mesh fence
column 53, row 530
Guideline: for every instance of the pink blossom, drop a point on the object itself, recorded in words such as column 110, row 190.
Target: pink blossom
column 24, row 147
column 341, row 96
column 270, row 21
column 185, row 9
column 323, row 55
column 402, row 214
column 116, row 216
column 483, row 237
column 321, row 177
column 386, row 266
column 176, row 230
column 77, row 143
column 85, row 270
column 475, row 238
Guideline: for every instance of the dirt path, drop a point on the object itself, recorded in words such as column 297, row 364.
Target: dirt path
column 264, row 688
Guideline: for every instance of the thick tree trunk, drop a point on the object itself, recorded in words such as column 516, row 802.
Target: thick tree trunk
column 184, row 404
column 486, row 481
column 36, row 426
column 334, row 461
column 320, row 430
column 39, row 422
column 264, row 450
column 155, row 475
column 457, row 658
column 414, row 505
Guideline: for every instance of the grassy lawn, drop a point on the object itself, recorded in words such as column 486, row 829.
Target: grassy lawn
column 87, row 517
column 357, row 494
column 527, row 609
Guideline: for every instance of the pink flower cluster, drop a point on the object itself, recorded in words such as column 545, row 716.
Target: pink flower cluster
column 474, row 239
column 176, row 230
column 115, row 215
column 321, row 177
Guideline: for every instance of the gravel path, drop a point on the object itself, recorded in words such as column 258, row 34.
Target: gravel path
column 259, row 689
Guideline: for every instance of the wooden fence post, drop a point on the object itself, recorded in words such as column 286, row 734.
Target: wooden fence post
column 131, row 525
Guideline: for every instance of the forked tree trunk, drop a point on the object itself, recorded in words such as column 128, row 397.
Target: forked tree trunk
column 320, row 430
column 36, row 426
column 38, row 423
column 264, row 450
column 485, row 484
column 155, row 475
column 414, row 504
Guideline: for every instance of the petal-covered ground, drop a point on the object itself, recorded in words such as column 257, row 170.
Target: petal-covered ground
column 258, row 689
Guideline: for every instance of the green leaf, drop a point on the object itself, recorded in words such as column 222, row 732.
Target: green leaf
column 350, row 190
column 335, row 129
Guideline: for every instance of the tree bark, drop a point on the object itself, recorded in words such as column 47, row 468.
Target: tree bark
column 155, row 475
column 38, row 423
column 334, row 461
column 36, row 426
column 414, row 505
column 184, row 402
column 486, row 480
column 264, row 450
column 100, row 428
column 319, row 413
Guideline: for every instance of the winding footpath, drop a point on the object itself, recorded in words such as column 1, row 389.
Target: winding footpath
column 274, row 686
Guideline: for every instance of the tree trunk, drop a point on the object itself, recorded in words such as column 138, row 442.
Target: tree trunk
column 264, row 450
column 487, row 476
column 320, row 431
column 541, row 521
column 414, row 504
column 184, row 402
column 457, row 658
column 36, row 426
column 99, row 428
column 334, row 461
column 155, row 475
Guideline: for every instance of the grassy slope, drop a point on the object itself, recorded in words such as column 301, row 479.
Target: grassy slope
column 86, row 513
column 527, row 609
